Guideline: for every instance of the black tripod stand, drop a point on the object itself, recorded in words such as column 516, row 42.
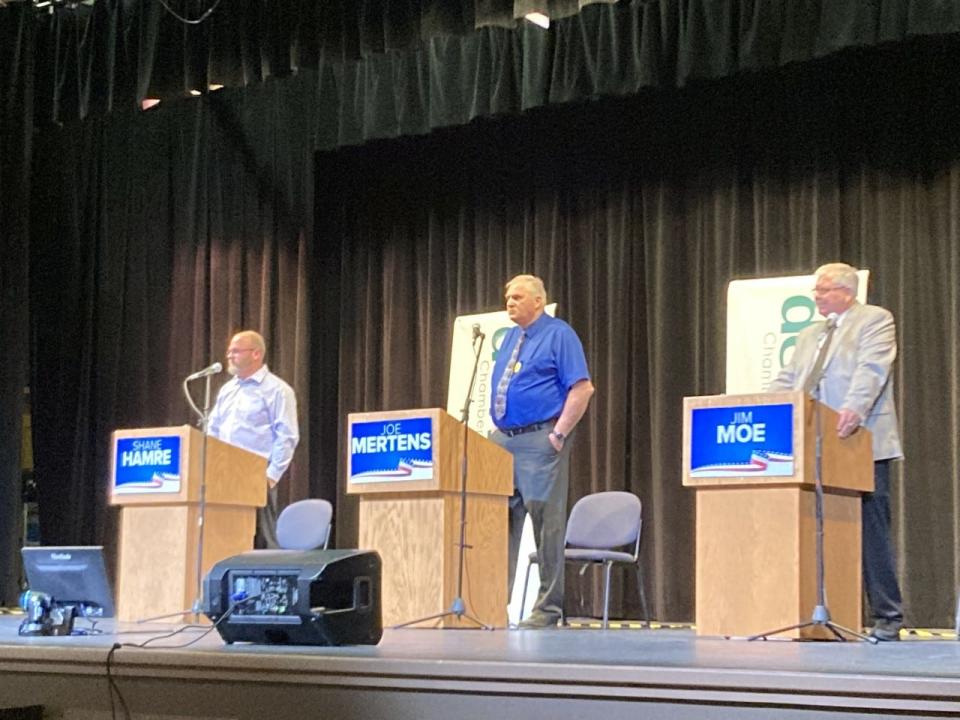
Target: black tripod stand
column 458, row 608
column 821, row 614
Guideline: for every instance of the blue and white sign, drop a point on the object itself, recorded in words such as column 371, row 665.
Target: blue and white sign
column 747, row 440
column 391, row 450
column 147, row 465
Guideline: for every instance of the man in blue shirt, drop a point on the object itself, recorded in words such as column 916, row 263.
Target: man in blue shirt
column 541, row 390
column 257, row 411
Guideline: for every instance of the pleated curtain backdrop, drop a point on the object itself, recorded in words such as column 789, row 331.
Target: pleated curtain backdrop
column 155, row 235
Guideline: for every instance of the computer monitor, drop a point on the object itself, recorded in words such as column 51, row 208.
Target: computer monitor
column 71, row 576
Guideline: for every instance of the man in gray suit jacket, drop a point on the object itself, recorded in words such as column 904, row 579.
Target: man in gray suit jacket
column 854, row 379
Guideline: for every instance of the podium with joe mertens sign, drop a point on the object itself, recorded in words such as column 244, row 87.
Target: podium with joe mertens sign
column 752, row 461
column 406, row 467
column 156, row 478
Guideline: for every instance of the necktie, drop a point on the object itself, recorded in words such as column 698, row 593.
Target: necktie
column 500, row 400
column 813, row 379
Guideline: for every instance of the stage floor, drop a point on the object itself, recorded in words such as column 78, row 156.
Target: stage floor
column 426, row 673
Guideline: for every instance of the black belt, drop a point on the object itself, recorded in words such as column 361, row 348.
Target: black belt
column 533, row 427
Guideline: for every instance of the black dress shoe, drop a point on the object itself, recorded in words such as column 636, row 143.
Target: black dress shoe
column 886, row 632
column 539, row 620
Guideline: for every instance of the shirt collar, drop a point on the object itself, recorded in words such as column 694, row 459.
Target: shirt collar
column 535, row 327
column 258, row 376
column 843, row 315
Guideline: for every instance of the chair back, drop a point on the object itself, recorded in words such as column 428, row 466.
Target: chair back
column 605, row 520
column 305, row 525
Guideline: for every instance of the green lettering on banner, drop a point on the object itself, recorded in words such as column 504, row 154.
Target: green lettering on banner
column 791, row 324
column 793, row 303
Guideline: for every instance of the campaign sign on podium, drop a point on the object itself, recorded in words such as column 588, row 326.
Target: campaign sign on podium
column 406, row 466
column 147, row 465
column 752, row 459
column 742, row 440
column 156, row 478
column 392, row 450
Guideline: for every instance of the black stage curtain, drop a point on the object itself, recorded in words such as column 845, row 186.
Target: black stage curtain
column 155, row 238
column 637, row 215
column 156, row 235
column 16, row 134
column 410, row 66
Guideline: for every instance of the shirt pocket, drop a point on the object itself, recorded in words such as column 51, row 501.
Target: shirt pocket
column 253, row 410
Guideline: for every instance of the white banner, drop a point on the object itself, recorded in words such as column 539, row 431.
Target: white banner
column 763, row 318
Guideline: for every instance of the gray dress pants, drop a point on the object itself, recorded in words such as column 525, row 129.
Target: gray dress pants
column 541, row 476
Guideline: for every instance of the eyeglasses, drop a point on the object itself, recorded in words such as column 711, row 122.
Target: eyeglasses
column 825, row 290
column 238, row 351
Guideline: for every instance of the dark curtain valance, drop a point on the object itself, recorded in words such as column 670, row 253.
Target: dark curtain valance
column 389, row 69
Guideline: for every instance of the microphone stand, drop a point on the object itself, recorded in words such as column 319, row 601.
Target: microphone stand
column 203, row 422
column 821, row 613
column 458, row 607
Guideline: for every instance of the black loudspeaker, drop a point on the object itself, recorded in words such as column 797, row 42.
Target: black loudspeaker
column 297, row 597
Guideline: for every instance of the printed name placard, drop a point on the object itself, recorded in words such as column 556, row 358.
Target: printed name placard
column 147, row 465
column 391, row 450
column 746, row 440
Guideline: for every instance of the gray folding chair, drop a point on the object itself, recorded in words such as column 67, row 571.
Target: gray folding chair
column 598, row 525
column 305, row 525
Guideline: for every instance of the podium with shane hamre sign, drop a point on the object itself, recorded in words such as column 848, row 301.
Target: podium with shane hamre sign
column 156, row 475
column 405, row 466
column 751, row 459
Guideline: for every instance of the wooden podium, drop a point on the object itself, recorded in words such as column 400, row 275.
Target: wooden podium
column 410, row 514
column 756, row 536
column 159, row 533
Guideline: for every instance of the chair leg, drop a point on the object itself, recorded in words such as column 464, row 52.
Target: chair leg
column 606, row 594
column 643, row 596
column 957, row 619
column 523, row 597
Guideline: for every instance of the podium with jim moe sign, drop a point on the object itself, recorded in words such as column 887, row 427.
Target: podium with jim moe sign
column 406, row 467
column 156, row 475
column 752, row 461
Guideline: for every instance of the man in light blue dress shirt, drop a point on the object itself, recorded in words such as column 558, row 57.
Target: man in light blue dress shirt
column 257, row 411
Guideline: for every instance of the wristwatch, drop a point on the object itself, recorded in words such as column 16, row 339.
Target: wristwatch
column 558, row 435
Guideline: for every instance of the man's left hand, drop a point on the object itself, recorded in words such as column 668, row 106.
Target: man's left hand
column 556, row 442
column 847, row 423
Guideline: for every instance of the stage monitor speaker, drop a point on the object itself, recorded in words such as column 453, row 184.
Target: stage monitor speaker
column 297, row 597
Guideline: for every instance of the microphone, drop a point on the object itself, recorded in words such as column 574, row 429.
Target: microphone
column 476, row 331
column 832, row 320
column 210, row 370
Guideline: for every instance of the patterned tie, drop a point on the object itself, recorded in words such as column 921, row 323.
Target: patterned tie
column 813, row 379
column 500, row 400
